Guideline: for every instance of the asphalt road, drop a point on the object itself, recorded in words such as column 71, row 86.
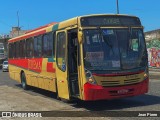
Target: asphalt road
column 14, row 98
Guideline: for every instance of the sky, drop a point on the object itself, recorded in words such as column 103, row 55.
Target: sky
column 35, row 13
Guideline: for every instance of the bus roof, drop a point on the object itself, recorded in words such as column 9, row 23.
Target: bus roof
column 107, row 15
column 34, row 32
column 54, row 26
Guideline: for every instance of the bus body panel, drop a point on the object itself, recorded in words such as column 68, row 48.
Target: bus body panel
column 39, row 74
column 97, row 92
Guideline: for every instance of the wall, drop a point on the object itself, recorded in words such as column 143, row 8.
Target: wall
column 153, row 47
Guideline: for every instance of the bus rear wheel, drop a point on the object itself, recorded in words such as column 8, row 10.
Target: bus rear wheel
column 23, row 81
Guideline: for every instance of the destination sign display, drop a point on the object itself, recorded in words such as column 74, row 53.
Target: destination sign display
column 110, row 21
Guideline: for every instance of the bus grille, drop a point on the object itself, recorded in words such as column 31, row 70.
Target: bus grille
column 132, row 81
column 110, row 83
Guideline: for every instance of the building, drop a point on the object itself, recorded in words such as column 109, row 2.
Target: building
column 154, row 34
column 16, row 31
column 153, row 47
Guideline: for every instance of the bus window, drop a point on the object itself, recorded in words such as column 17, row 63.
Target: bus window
column 29, row 46
column 20, row 49
column 61, row 46
column 47, row 45
column 35, row 47
column 23, row 48
column 38, row 46
column 14, row 50
column 17, row 49
column 10, row 50
column 134, row 45
column 54, row 43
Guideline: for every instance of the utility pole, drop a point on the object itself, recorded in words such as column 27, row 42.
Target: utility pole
column 117, row 7
column 18, row 22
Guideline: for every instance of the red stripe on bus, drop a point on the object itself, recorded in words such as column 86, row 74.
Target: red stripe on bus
column 33, row 64
column 120, row 74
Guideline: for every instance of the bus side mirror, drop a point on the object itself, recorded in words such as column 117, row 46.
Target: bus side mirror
column 80, row 37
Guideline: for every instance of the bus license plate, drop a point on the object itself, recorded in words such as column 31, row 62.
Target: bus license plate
column 123, row 91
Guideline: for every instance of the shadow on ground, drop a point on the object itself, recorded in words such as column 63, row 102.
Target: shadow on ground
column 138, row 101
column 37, row 91
column 143, row 100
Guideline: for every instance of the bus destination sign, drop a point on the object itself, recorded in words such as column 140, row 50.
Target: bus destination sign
column 110, row 21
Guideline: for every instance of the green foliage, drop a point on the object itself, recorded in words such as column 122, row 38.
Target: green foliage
column 153, row 43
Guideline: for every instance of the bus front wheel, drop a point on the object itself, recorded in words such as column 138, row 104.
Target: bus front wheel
column 23, row 81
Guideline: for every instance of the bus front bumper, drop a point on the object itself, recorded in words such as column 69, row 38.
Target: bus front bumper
column 97, row 92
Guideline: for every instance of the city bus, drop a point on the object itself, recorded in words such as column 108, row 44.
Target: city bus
column 91, row 57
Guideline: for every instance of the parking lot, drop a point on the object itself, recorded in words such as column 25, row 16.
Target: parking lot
column 14, row 98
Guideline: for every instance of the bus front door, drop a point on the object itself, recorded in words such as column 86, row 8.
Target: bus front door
column 62, row 65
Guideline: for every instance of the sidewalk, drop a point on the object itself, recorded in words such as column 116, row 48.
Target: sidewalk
column 154, row 69
column 154, row 73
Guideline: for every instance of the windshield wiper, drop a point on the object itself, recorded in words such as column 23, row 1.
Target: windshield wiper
column 130, row 39
column 105, row 38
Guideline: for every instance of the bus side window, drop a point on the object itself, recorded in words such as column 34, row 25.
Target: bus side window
column 21, row 47
column 35, row 47
column 24, row 49
column 14, row 50
column 54, row 43
column 47, row 45
column 10, row 50
column 17, row 49
column 29, row 46
column 38, row 46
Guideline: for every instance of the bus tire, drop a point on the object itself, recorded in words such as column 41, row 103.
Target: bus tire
column 23, row 81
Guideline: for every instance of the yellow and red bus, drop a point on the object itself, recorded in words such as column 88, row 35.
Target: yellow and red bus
column 92, row 57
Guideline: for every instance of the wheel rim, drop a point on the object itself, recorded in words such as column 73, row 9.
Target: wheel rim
column 23, row 81
column 23, row 84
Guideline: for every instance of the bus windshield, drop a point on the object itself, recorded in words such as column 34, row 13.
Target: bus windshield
column 114, row 49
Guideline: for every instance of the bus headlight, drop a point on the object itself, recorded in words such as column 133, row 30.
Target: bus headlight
column 146, row 75
column 90, row 78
